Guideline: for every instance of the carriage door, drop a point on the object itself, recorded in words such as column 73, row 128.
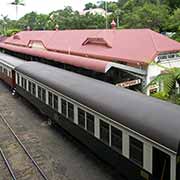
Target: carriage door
column 161, row 165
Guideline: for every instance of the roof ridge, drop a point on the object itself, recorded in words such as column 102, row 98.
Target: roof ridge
column 150, row 33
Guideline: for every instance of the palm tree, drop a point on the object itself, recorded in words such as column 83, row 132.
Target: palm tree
column 17, row 3
column 168, row 81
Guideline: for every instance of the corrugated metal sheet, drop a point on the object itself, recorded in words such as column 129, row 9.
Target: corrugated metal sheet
column 87, row 63
column 129, row 45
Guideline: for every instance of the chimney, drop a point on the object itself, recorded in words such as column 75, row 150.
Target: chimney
column 57, row 27
column 28, row 28
column 113, row 24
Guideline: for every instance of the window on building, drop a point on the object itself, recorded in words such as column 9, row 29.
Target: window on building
column 136, row 151
column 171, row 56
column 50, row 99
column 64, row 107
column 43, row 95
column 90, row 122
column 33, row 89
column 56, row 102
column 70, row 111
column 104, row 132
column 116, row 139
column 81, row 118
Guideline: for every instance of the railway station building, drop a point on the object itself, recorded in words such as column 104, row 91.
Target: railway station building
column 126, row 58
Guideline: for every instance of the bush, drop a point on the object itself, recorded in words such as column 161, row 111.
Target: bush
column 11, row 32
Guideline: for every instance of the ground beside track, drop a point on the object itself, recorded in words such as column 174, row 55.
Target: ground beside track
column 59, row 155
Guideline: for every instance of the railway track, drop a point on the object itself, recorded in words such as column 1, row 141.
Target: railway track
column 30, row 169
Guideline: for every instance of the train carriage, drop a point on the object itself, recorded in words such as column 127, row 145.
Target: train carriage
column 137, row 135
column 7, row 66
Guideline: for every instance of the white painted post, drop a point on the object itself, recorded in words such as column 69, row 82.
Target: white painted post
column 125, row 149
column 97, row 127
column 75, row 114
column 47, row 99
column 59, row 105
column 148, row 157
column 173, row 167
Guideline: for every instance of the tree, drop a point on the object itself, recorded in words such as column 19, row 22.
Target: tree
column 90, row 6
column 147, row 16
column 174, row 21
column 111, row 6
column 120, row 3
column 33, row 20
column 17, row 3
column 173, row 4
column 168, row 81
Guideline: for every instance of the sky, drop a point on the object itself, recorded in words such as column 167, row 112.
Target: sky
column 40, row 6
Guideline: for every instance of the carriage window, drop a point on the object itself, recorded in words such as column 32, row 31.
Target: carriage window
column 10, row 74
column 136, row 151
column 63, row 107
column 104, row 132
column 5, row 71
column 39, row 92
column 116, row 139
column 44, row 95
column 70, row 111
column 56, row 102
column 90, row 123
column 50, row 99
column 29, row 86
column 33, row 89
column 18, row 79
column 25, row 84
column 0, row 68
column 81, row 118
column 22, row 82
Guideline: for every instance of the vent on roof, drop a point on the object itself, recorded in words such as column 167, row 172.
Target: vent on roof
column 35, row 44
column 96, row 41
column 16, row 37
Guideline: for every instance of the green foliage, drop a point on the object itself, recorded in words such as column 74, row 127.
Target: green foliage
column 33, row 20
column 174, row 21
column 173, row 4
column 176, row 36
column 11, row 32
column 160, row 95
column 168, row 80
column 147, row 16
column 90, row 6
column 18, row 2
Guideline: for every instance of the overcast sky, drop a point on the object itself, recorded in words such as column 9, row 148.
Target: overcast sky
column 40, row 6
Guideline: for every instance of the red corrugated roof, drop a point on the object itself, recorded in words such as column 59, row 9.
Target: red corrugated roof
column 2, row 38
column 87, row 63
column 129, row 45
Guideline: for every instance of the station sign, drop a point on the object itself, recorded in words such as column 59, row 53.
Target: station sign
column 129, row 83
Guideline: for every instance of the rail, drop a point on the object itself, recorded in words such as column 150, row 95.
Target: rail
column 24, row 148
column 8, row 165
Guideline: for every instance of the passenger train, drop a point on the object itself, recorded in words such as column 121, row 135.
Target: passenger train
column 138, row 135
